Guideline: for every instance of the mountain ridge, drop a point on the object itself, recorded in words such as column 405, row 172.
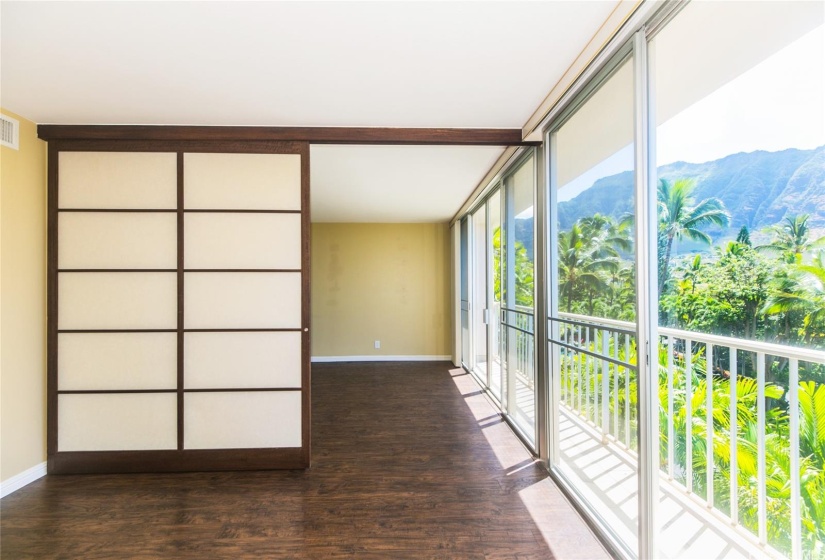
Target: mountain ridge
column 758, row 188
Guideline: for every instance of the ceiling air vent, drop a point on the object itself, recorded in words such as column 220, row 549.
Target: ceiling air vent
column 10, row 132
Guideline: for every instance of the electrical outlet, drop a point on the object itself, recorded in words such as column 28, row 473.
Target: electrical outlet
column 377, row 344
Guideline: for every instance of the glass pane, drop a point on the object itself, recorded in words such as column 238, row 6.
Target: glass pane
column 478, row 303
column 740, row 161
column 593, row 335
column 517, row 317
column 494, row 213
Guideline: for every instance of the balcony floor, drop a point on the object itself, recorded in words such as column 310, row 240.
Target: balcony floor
column 605, row 474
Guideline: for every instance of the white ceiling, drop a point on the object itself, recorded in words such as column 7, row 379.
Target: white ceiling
column 396, row 64
column 394, row 183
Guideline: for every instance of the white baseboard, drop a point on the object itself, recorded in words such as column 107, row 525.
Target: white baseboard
column 18, row 481
column 322, row 359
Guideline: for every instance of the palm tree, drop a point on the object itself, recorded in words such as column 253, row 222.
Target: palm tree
column 791, row 239
column 588, row 252
column 692, row 270
column 803, row 290
column 680, row 219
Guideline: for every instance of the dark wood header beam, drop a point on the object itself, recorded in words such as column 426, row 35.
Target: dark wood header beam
column 313, row 135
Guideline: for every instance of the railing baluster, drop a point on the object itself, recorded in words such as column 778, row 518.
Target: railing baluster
column 670, row 433
column 793, row 413
column 709, row 421
column 615, row 392
column 734, row 433
column 628, row 441
column 595, row 372
column 579, row 368
column 605, row 386
column 565, row 378
column 587, row 360
column 760, row 439
column 689, row 415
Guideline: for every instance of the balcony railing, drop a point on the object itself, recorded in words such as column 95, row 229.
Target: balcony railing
column 720, row 410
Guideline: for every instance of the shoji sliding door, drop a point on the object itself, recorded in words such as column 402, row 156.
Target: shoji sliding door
column 178, row 306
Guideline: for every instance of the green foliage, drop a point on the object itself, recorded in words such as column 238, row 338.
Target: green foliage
column 523, row 271
column 593, row 276
column 790, row 239
column 774, row 292
column 744, row 236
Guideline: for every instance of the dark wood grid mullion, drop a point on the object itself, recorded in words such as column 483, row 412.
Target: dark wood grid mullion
column 60, row 270
column 199, row 390
column 119, row 210
column 112, row 391
column 242, row 270
column 238, row 211
column 103, row 331
column 181, row 276
column 51, row 309
column 285, row 329
column 174, row 210
column 306, row 317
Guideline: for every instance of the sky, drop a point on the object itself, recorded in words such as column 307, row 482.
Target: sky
column 778, row 104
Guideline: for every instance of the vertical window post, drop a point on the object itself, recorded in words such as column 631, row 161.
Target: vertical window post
column 647, row 299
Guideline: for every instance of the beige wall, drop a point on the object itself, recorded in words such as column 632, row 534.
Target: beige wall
column 22, row 303
column 387, row 282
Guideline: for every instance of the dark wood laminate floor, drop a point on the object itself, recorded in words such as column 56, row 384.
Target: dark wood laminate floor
column 409, row 461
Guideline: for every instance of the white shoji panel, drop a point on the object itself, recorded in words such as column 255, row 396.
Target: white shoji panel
column 242, row 181
column 224, row 300
column 117, row 422
column 118, row 180
column 116, row 361
column 117, row 300
column 242, row 420
column 242, row 360
column 117, row 240
column 242, row 240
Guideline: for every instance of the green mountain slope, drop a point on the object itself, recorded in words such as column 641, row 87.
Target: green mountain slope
column 758, row 189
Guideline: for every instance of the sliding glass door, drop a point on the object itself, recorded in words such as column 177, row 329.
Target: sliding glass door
column 592, row 320
column 494, row 287
column 479, row 311
column 484, row 303
column 517, row 311
column 464, row 259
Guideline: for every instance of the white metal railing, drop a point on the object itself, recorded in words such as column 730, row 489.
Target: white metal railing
column 598, row 359
column 518, row 322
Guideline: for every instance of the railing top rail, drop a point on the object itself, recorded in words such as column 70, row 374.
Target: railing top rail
column 522, row 310
column 596, row 325
column 778, row 350
column 599, row 320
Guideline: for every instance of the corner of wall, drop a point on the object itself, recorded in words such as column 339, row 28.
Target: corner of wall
column 23, row 310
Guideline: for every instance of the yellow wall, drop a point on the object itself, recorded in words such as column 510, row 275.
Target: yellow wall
column 22, row 303
column 387, row 282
